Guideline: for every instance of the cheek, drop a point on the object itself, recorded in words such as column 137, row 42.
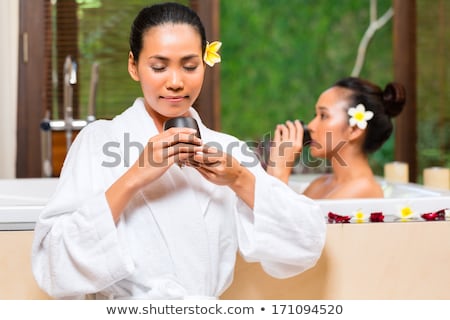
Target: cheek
column 329, row 134
column 147, row 79
column 338, row 125
column 196, row 82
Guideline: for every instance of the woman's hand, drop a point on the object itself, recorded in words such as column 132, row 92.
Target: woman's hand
column 174, row 145
column 284, row 149
column 221, row 168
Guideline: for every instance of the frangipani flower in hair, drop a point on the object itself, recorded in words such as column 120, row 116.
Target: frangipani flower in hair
column 359, row 116
column 211, row 56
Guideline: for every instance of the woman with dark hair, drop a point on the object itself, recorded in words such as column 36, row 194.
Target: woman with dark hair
column 353, row 119
column 126, row 223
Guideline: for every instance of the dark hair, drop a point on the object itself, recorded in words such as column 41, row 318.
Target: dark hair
column 159, row 14
column 385, row 104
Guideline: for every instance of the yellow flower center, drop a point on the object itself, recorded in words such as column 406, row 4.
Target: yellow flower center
column 359, row 215
column 359, row 116
column 406, row 212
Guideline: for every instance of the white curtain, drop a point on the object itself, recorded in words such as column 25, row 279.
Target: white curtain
column 9, row 37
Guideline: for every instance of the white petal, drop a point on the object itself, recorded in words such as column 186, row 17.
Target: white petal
column 368, row 115
column 351, row 111
column 360, row 107
column 362, row 124
column 352, row 122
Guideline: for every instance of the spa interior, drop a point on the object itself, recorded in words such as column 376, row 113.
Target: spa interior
column 64, row 65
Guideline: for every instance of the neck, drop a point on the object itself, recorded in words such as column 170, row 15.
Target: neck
column 350, row 164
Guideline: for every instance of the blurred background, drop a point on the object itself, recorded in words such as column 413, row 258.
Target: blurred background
column 277, row 57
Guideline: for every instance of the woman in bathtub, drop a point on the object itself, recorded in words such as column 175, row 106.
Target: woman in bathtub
column 352, row 119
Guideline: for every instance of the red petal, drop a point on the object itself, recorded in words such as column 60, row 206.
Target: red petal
column 376, row 217
column 434, row 216
column 332, row 217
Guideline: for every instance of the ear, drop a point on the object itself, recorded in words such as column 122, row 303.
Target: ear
column 356, row 133
column 132, row 67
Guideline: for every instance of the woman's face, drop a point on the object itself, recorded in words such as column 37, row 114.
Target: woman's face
column 170, row 69
column 330, row 128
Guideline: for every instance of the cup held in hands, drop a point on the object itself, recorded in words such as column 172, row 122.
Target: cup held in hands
column 306, row 134
column 182, row 122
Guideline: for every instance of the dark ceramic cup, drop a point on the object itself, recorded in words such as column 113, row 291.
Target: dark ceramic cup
column 182, row 122
column 306, row 134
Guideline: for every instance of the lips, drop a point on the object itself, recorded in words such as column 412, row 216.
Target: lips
column 174, row 98
column 314, row 143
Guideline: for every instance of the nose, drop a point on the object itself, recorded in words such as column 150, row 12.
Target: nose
column 311, row 125
column 175, row 81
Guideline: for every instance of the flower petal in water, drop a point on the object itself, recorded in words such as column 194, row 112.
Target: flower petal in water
column 376, row 217
column 336, row 218
column 434, row 216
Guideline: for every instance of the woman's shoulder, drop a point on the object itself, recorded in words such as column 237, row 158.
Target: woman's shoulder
column 96, row 128
column 366, row 187
column 94, row 134
column 316, row 189
column 361, row 187
column 321, row 179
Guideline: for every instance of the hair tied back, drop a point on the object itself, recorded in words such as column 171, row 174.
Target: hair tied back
column 394, row 97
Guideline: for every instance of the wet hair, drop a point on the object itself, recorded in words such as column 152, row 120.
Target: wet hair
column 159, row 14
column 385, row 104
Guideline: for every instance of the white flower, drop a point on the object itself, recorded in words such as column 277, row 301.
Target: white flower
column 359, row 116
column 359, row 216
column 406, row 212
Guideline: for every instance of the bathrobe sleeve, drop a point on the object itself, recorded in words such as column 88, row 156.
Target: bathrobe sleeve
column 77, row 248
column 285, row 231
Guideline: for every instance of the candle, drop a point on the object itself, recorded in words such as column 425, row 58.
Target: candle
column 437, row 177
column 396, row 172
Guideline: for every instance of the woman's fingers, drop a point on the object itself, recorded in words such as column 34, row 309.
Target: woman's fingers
column 277, row 134
column 298, row 135
column 175, row 135
column 208, row 156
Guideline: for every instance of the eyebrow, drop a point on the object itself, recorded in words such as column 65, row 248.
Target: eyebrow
column 322, row 108
column 185, row 58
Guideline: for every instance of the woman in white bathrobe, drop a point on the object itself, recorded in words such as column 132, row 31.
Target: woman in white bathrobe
column 142, row 213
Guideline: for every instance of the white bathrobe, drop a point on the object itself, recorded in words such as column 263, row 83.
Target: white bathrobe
column 178, row 237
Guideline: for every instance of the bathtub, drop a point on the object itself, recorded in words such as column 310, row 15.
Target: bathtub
column 22, row 200
column 418, row 201
column 387, row 260
column 397, row 259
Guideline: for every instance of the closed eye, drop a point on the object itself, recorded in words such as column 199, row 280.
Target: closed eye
column 158, row 68
column 190, row 68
